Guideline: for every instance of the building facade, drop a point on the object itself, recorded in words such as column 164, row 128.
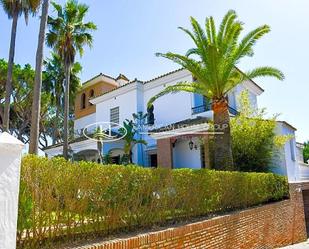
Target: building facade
column 178, row 133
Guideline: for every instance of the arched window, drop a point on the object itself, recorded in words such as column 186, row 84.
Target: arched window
column 150, row 115
column 83, row 101
column 91, row 95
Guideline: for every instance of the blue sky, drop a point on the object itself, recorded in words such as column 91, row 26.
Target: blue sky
column 131, row 31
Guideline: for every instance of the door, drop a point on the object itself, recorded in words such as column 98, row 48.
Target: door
column 306, row 208
column 153, row 160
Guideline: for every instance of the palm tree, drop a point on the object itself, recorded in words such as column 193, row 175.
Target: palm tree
column 14, row 9
column 36, row 104
column 212, row 62
column 68, row 34
column 129, row 131
column 53, row 83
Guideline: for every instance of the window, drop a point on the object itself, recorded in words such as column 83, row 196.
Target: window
column 91, row 95
column 150, row 115
column 292, row 148
column 83, row 101
column 114, row 115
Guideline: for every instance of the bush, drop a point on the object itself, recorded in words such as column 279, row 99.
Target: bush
column 60, row 200
column 254, row 142
column 306, row 151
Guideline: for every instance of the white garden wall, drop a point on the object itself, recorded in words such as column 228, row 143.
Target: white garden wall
column 10, row 160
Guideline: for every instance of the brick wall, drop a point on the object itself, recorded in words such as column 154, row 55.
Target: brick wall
column 269, row 226
column 165, row 153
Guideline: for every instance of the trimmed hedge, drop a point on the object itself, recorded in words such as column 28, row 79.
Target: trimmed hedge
column 60, row 200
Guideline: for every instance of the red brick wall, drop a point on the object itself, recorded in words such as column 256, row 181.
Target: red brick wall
column 268, row 226
column 165, row 153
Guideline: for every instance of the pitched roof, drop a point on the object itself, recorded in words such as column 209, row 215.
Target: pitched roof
column 98, row 75
column 123, row 77
column 156, row 78
column 287, row 124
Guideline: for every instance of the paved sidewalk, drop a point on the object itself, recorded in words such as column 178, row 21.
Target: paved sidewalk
column 304, row 245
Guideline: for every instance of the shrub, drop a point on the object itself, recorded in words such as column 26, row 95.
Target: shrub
column 306, row 151
column 60, row 200
column 254, row 142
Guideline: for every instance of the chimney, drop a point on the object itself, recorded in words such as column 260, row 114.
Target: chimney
column 122, row 80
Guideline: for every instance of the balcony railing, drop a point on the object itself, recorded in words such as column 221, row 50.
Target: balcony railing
column 233, row 111
column 201, row 108
column 207, row 107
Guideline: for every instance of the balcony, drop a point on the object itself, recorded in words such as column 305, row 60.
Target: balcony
column 207, row 107
column 201, row 108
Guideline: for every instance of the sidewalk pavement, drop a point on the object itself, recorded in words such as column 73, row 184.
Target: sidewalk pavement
column 304, row 245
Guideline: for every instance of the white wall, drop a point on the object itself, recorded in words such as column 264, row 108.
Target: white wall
column 183, row 157
column 286, row 160
column 236, row 92
column 10, row 161
column 80, row 123
column 303, row 171
column 127, row 106
column 170, row 108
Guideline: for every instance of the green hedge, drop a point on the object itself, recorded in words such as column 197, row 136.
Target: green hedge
column 61, row 200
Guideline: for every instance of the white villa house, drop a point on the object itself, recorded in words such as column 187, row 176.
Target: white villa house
column 107, row 99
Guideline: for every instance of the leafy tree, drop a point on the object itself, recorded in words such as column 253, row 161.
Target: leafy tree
column 36, row 103
column 14, row 9
column 212, row 62
column 306, row 151
column 20, row 121
column 68, row 34
column 254, row 141
column 130, row 133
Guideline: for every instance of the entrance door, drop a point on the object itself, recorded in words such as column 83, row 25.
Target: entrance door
column 306, row 208
column 153, row 160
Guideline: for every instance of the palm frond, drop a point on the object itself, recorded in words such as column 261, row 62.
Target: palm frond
column 265, row 72
column 227, row 21
column 246, row 44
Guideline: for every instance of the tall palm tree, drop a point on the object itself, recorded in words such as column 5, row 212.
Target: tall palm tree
column 68, row 34
column 53, row 83
column 36, row 104
column 212, row 62
column 14, row 9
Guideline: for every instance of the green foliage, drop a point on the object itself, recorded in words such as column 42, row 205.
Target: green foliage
column 24, row 7
column 53, row 83
column 22, row 95
column 60, row 199
column 130, row 131
column 68, row 31
column 213, row 64
column 254, row 141
column 214, row 58
column 306, row 151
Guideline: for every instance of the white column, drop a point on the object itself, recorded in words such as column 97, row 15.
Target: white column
column 10, row 160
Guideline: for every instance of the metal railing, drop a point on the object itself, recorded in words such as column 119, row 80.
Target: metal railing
column 200, row 109
column 207, row 107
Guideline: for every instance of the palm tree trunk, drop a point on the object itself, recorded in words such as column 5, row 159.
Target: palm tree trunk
column 223, row 159
column 8, row 86
column 36, row 104
column 66, row 110
column 56, row 124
